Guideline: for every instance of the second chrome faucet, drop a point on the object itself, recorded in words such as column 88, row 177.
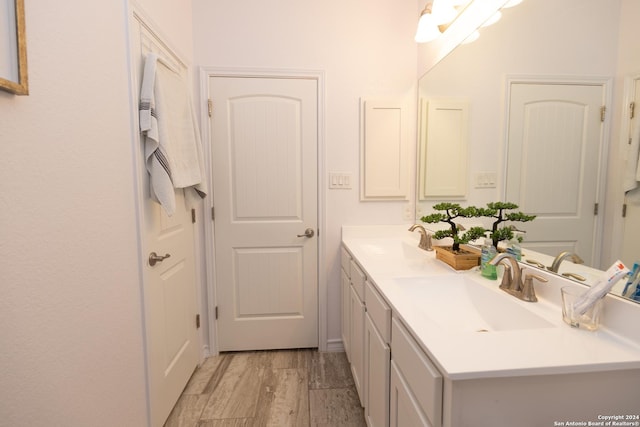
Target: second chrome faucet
column 425, row 237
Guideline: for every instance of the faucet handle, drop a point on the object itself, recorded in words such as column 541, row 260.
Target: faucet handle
column 528, row 290
column 506, row 278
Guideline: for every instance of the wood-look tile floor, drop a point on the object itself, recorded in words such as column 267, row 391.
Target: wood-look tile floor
column 270, row 388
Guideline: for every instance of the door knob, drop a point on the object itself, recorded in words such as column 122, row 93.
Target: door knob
column 154, row 258
column 308, row 233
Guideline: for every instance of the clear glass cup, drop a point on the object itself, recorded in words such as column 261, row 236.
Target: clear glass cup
column 589, row 320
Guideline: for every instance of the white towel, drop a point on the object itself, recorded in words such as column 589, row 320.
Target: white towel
column 173, row 149
column 632, row 170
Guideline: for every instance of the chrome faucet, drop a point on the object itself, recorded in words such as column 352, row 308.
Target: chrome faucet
column 425, row 237
column 512, row 277
column 555, row 266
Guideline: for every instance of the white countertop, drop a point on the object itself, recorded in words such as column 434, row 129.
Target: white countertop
column 390, row 252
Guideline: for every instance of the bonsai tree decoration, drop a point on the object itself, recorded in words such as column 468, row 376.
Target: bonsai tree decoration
column 451, row 211
column 498, row 210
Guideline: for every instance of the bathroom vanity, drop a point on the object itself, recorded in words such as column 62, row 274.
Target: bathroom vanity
column 431, row 346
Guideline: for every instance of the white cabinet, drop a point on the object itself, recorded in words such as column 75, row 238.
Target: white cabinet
column 357, row 313
column 377, row 355
column 404, row 409
column 356, row 332
column 353, row 312
column 416, row 384
column 346, row 318
column 377, row 358
column 346, row 299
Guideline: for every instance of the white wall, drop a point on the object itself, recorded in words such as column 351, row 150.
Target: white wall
column 366, row 49
column 70, row 303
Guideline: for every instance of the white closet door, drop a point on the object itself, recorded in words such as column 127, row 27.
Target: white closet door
column 265, row 141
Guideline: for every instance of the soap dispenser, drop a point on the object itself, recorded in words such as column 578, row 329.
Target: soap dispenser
column 488, row 252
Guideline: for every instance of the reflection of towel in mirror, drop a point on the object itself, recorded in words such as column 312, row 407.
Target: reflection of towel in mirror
column 173, row 151
column 632, row 171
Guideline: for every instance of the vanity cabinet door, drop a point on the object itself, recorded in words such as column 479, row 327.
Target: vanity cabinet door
column 421, row 377
column 377, row 360
column 404, row 410
column 356, row 344
column 346, row 318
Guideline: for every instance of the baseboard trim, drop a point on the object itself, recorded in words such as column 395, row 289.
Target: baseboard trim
column 335, row 345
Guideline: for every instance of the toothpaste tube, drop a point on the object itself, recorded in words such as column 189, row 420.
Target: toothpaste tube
column 616, row 272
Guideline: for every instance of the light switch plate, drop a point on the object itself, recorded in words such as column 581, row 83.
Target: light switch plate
column 485, row 180
column 340, row 180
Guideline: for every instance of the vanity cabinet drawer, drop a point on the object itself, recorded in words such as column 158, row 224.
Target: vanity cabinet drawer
column 357, row 280
column 379, row 311
column 421, row 375
column 345, row 262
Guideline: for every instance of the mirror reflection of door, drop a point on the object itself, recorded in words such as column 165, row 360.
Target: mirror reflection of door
column 631, row 235
column 554, row 147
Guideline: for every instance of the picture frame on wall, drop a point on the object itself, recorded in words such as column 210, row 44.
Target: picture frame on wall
column 13, row 48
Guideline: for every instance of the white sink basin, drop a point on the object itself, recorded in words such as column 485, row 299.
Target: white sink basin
column 462, row 304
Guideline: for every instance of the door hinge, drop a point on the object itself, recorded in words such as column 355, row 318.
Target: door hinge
column 213, row 213
column 595, row 209
column 624, row 210
column 215, row 312
column 603, row 111
column 210, row 107
column 632, row 110
column 193, row 216
column 197, row 321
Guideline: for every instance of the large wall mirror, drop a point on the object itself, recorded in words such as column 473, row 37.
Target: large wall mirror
column 548, row 43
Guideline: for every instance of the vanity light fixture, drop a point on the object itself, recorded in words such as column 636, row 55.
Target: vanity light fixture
column 512, row 3
column 443, row 11
column 427, row 27
column 436, row 17
column 438, row 14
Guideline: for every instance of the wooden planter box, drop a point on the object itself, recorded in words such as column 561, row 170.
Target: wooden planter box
column 464, row 260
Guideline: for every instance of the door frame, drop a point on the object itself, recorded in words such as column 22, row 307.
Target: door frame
column 606, row 83
column 209, row 236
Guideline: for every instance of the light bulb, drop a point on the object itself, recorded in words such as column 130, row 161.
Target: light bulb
column 427, row 28
column 443, row 11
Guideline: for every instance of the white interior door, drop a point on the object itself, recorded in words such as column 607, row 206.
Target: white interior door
column 265, row 138
column 169, row 285
column 554, row 148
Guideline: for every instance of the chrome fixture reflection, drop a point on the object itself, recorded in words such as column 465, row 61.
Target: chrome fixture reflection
column 555, row 266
